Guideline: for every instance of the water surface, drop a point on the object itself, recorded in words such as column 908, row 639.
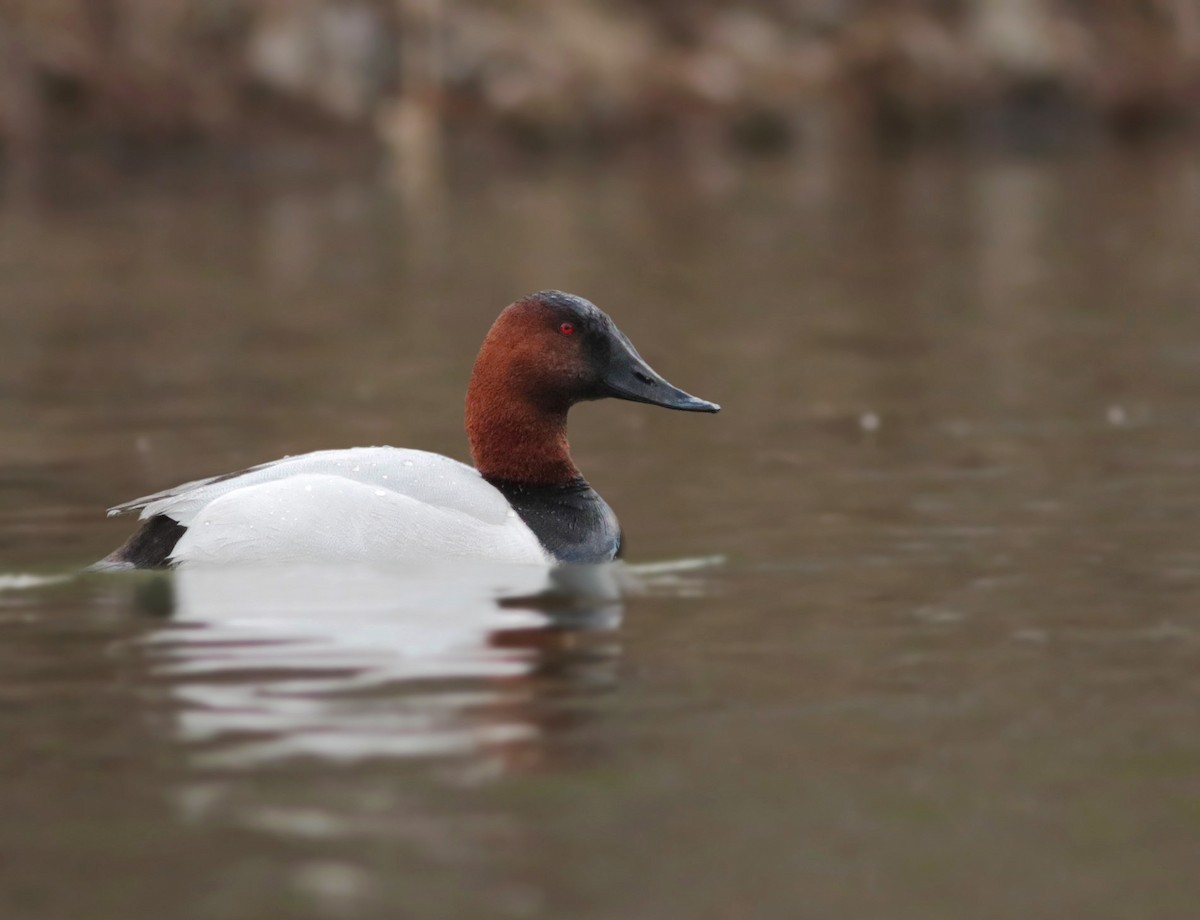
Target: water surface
column 948, row 666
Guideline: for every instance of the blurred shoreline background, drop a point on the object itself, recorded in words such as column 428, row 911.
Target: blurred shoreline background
column 122, row 82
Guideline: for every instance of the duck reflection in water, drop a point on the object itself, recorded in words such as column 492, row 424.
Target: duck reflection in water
column 349, row 663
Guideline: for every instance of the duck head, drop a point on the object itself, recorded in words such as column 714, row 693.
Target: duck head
column 543, row 354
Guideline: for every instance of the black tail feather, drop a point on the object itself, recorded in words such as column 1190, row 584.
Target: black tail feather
column 150, row 547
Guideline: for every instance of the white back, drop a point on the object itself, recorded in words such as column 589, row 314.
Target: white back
column 366, row 504
column 422, row 475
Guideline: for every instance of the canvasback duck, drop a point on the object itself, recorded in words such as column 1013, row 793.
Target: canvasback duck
column 524, row 501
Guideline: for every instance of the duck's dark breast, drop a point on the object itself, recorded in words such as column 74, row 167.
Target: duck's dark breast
column 572, row 522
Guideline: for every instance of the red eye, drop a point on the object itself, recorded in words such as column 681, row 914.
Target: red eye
column 567, row 328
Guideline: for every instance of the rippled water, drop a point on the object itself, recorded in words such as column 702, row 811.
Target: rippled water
column 915, row 631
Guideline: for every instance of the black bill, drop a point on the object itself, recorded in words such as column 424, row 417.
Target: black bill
column 628, row 376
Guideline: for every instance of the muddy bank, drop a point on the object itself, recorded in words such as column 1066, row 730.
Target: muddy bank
column 149, row 75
